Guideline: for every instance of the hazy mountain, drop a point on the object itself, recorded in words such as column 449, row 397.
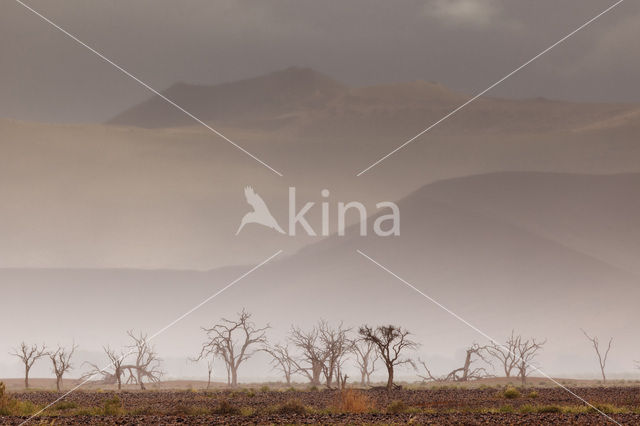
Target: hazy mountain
column 490, row 269
column 172, row 197
column 262, row 99
column 311, row 101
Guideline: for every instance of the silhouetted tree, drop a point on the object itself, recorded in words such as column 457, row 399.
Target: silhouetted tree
column 366, row 357
column 61, row 360
column 116, row 364
column 232, row 341
column 282, row 360
column 526, row 351
column 29, row 354
column 313, row 354
column 466, row 372
column 390, row 341
column 336, row 345
column 506, row 354
column 602, row 358
column 146, row 364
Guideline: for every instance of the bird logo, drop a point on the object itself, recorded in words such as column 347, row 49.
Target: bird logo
column 260, row 214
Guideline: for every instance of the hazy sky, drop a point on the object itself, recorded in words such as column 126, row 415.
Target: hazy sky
column 465, row 44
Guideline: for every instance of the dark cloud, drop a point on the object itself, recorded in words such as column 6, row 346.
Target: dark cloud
column 465, row 44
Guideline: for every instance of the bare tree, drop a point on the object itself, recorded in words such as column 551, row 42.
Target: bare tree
column 506, row 354
column 116, row 364
column 146, row 364
column 29, row 354
column 390, row 341
column 366, row 357
column 61, row 360
column 313, row 354
column 466, row 372
column 526, row 351
column 232, row 341
column 336, row 346
column 282, row 360
column 602, row 359
column 209, row 371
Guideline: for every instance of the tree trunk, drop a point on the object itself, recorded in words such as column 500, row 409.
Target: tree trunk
column 390, row 379
column 26, row 377
column 58, row 383
column 363, row 378
column 234, row 377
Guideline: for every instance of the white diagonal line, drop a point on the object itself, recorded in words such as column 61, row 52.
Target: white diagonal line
column 491, row 339
column 563, row 39
column 157, row 333
column 146, row 86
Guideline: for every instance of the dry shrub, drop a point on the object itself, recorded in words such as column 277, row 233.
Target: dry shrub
column 353, row 401
column 292, row 406
column 397, row 407
column 225, row 407
column 10, row 406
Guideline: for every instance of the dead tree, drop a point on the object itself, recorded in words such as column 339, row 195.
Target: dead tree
column 29, row 354
column 113, row 373
column 313, row 354
column 336, row 346
column 282, row 360
column 146, row 364
column 61, row 360
column 366, row 357
column 232, row 340
column 506, row 354
column 209, row 371
column 526, row 351
column 390, row 341
column 466, row 372
column 602, row 359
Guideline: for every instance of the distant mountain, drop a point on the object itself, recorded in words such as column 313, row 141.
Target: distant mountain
column 255, row 100
column 487, row 268
column 310, row 101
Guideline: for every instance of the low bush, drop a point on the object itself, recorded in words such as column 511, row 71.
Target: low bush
column 113, row 406
column 532, row 394
column 353, row 401
column 225, row 407
column 511, row 393
column 64, row 405
column 10, row 406
column 292, row 406
column 506, row 409
column 396, row 407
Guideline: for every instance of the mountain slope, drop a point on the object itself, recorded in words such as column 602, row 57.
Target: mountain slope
column 494, row 273
column 256, row 100
column 308, row 100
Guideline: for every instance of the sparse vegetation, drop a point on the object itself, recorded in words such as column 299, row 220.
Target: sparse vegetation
column 353, row 401
column 397, row 407
column 511, row 393
column 292, row 406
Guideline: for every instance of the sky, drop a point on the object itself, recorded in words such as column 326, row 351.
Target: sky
column 463, row 44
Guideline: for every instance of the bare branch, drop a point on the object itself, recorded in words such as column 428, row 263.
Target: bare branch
column 390, row 342
column 29, row 354
column 602, row 359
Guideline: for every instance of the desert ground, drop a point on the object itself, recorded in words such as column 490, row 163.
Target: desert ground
column 490, row 401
